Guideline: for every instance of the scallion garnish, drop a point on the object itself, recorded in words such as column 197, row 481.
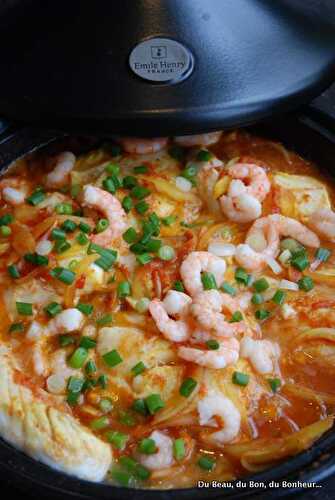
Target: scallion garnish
column 187, row 387
column 240, row 378
column 112, row 358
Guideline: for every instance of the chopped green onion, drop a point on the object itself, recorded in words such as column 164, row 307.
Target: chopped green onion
column 140, row 407
column 63, row 274
column 65, row 340
column 178, row 285
column 179, row 449
column 153, row 245
column 36, row 259
column 73, row 264
column 106, row 253
column 64, row 208
column 168, row 220
column 130, row 236
column 112, row 169
column 87, row 342
column 187, row 387
column 138, row 248
column 57, row 234
column 117, row 439
column 141, row 169
column 300, row 261
column 206, row 463
column 138, row 368
column 53, row 309
column 86, row 309
column 108, row 185
column 154, row 403
column 134, row 467
column 155, row 223
column 177, row 153
column 105, row 320
column 226, row 287
column 122, row 477
column 85, row 228
column 78, row 358
column 209, row 281
column 90, row 367
column 101, row 225
column 13, row 271
column 24, row 308
column 72, row 398
column 144, row 258
column 257, row 299
column 279, row 297
column 142, row 207
column 129, row 182
column 140, row 192
column 69, row 226
column 6, row 219
column 242, row 276
column 127, row 419
column 99, row 423
column 147, row 446
column 306, row 283
column 204, row 155
column 292, row 245
column 75, row 384
column 166, row 253
column 212, row 344
column 61, row 246
column 112, row 358
column 274, row 383
column 105, row 405
column 189, row 172
column 16, row 328
column 5, row 230
column 123, row 289
column 322, row 254
column 236, row 317
column 82, row 239
column 262, row 314
column 285, row 257
column 36, row 197
column 142, row 305
column 127, row 203
column 105, row 263
column 261, row 285
column 102, row 381
column 240, row 378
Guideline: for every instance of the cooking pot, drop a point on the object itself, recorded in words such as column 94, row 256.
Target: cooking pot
column 42, row 112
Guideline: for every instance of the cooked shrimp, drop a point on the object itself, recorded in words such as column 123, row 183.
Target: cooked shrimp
column 163, row 457
column 198, row 139
column 176, row 303
column 141, row 146
column 14, row 190
column 255, row 179
column 227, row 354
column 59, row 175
column 262, row 354
column 207, row 307
column 263, row 238
column 217, row 405
column 174, row 330
column 99, row 199
column 323, row 223
column 66, row 321
column 242, row 208
column 198, row 262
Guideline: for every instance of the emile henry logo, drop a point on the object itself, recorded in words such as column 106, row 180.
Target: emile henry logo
column 161, row 60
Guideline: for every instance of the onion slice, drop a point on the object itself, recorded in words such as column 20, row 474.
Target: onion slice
column 222, row 249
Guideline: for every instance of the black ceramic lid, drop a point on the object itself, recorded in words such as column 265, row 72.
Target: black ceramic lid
column 162, row 67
